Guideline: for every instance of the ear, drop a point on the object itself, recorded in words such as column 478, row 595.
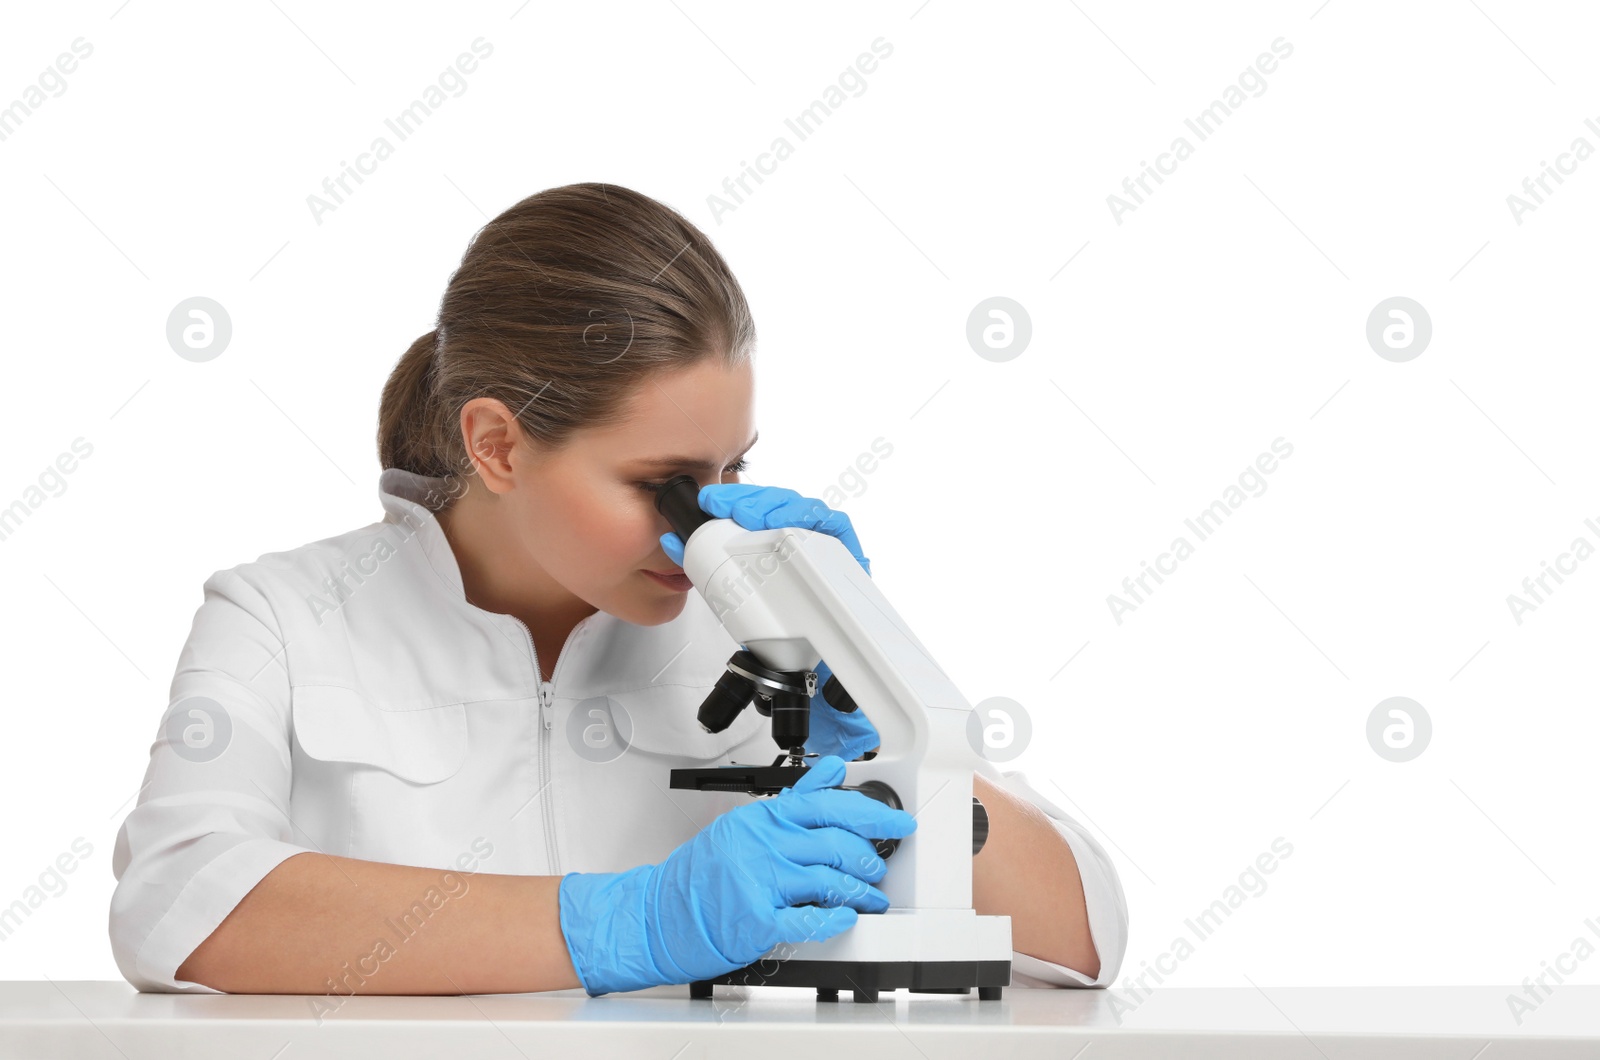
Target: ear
column 491, row 433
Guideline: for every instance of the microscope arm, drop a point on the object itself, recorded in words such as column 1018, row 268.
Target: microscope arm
column 793, row 597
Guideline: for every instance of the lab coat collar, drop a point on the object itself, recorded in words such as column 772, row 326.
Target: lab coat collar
column 409, row 499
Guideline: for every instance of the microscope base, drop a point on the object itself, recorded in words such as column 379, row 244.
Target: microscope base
column 926, row 951
column 865, row 979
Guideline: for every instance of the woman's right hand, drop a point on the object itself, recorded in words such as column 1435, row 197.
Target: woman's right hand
column 736, row 889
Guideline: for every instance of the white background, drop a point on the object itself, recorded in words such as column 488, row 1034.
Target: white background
column 1167, row 352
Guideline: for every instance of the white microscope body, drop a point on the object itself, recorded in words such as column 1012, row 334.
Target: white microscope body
column 794, row 597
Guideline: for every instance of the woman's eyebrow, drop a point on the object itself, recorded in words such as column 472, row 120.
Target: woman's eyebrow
column 686, row 461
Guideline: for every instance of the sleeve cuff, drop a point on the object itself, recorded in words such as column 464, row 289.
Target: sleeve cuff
column 1103, row 897
column 203, row 903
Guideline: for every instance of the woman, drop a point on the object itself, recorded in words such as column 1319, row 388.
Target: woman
column 431, row 755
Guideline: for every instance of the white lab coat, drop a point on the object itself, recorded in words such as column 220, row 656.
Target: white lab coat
column 368, row 710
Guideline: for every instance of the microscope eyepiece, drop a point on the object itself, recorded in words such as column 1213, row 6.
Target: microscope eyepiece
column 679, row 500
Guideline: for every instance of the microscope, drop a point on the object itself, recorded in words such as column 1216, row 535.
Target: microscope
column 792, row 597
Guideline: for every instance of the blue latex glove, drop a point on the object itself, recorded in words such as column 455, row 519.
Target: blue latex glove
column 848, row 736
column 768, row 508
column 734, row 891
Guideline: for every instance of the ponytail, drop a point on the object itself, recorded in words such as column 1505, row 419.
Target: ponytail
column 405, row 411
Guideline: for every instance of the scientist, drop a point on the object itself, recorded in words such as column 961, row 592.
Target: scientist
column 482, row 695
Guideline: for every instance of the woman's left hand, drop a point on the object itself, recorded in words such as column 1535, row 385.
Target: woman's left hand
column 768, row 508
column 834, row 733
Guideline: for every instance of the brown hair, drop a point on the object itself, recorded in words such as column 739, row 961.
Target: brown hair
column 560, row 308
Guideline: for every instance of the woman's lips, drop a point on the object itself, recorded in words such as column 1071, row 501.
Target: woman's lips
column 678, row 581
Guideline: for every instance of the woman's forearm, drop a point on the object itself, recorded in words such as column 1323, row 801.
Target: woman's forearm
column 321, row 924
column 1026, row 871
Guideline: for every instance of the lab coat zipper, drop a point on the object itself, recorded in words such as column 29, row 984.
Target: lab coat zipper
column 547, row 708
column 547, row 697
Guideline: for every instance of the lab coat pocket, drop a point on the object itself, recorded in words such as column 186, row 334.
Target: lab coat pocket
column 633, row 814
column 663, row 720
column 337, row 724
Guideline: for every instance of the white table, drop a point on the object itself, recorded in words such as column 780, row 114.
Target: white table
column 110, row 1020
